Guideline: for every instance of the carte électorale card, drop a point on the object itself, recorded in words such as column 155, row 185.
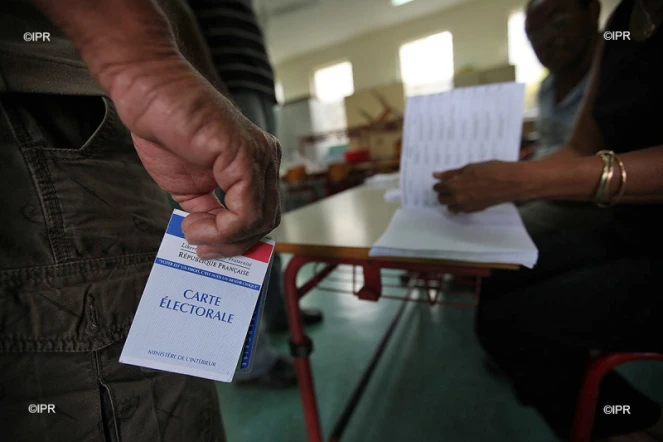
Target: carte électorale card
column 197, row 317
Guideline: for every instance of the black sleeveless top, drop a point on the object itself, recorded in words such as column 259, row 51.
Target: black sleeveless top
column 628, row 99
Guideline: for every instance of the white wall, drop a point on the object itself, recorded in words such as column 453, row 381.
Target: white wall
column 479, row 33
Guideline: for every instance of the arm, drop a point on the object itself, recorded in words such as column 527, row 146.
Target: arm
column 576, row 179
column 114, row 35
column 130, row 49
column 189, row 137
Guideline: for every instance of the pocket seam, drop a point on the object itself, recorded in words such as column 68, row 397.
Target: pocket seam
column 32, row 152
column 104, row 129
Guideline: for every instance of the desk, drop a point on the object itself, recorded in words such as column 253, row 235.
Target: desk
column 341, row 230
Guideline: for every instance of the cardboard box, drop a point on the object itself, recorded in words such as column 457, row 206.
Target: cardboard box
column 383, row 145
column 499, row 74
column 365, row 107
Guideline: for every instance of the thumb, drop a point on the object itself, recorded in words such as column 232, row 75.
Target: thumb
column 448, row 175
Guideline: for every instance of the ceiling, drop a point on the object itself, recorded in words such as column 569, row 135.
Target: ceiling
column 295, row 27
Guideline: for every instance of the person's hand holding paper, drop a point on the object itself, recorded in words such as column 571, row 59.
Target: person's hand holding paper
column 461, row 150
column 478, row 186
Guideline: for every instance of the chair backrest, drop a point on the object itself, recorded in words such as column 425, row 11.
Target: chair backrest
column 338, row 171
column 295, row 174
column 599, row 365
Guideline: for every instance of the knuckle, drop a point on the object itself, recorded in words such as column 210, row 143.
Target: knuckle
column 274, row 142
column 277, row 220
column 255, row 220
column 271, row 140
column 277, row 150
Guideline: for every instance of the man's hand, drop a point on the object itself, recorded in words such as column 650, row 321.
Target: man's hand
column 190, row 138
column 478, row 186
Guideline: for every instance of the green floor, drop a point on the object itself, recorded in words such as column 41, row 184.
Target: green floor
column 431, row 384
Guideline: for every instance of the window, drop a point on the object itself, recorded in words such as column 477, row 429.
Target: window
column 280, row 95
column 522, row 56
column 427, row 65
column 334, row 83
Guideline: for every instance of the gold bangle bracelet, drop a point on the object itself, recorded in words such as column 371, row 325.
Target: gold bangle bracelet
column 602, row 197
column 622, row 184
column 604, row 174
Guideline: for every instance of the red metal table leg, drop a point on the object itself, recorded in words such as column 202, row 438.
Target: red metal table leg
column 301, row 345
column 299, row 340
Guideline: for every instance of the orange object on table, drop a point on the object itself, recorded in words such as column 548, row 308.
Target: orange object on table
column 338, row 171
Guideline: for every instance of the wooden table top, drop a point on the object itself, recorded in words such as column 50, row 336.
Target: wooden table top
column 346, row 225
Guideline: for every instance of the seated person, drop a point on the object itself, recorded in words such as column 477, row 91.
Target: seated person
column 592, row 289
column 564, row 35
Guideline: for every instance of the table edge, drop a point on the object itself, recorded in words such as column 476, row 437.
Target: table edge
column 362, row 253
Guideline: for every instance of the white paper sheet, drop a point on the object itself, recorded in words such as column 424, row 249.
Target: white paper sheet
column 445, row 132
column 450, row 130
column 495, row 235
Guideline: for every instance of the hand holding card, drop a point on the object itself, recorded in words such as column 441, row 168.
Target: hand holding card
column 198, row 317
